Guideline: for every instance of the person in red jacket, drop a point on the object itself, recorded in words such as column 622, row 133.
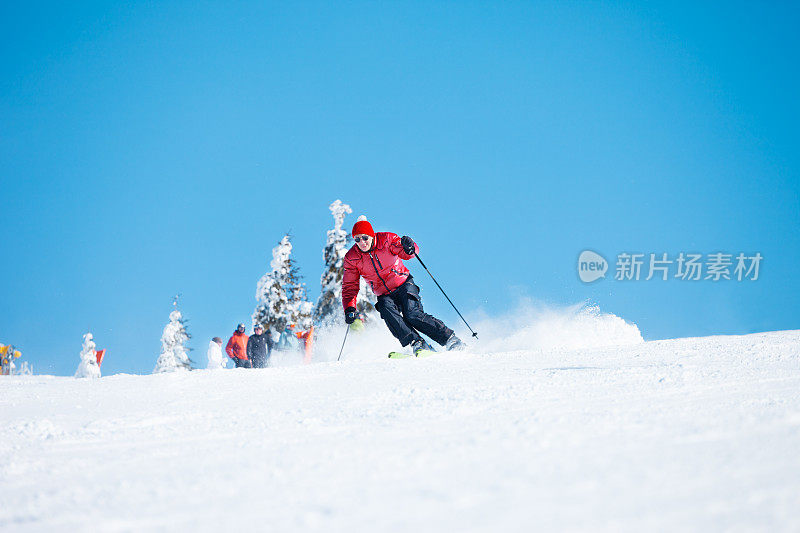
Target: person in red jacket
column 378, row 258
column 237, row 348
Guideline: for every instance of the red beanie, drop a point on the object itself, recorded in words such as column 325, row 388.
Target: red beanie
column 363, row 227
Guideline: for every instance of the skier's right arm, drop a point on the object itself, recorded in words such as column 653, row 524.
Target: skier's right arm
column 229, row 348
column 350, row 284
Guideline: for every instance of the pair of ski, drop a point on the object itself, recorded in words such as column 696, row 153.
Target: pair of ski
column 419, row 353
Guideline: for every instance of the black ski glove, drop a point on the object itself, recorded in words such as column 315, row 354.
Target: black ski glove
column 408, row 245
column 350, row 315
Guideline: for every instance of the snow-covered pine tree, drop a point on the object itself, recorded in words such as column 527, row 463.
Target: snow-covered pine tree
column 336, row 247
column 174, row 354
column 280, row 293
column 329, row 304
column 88, row 367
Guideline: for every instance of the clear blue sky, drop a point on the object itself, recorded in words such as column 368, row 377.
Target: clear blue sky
column 148, row 149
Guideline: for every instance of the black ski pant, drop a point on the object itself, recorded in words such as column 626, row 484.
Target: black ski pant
column 402, row 311
column 259, row 361
column 242, row 363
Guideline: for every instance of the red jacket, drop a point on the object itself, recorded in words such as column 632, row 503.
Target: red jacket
column 237, row 346
column 382, row 266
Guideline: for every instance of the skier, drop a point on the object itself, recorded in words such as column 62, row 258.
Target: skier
column 287, row 340
column 259, row 347
column 214, row 354
column 237, row 348
column 378, row 258
column 7, row 356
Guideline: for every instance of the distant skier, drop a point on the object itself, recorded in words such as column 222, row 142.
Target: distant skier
column 259, row 347
column 287, row 341
column 237, row 348
column 378, row 258
column 214, row 354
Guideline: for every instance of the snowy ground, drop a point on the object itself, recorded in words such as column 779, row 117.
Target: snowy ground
column 691, row 434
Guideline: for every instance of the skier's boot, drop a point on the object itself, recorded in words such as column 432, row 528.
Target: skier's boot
column 454, row 343
column 420, row 345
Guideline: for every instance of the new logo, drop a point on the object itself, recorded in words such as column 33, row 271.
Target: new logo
column 591, row 266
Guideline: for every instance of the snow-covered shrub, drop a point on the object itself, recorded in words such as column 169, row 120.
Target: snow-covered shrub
column 88, row 367
column 174, row 354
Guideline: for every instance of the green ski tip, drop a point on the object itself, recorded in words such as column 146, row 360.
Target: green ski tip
column 401, row 355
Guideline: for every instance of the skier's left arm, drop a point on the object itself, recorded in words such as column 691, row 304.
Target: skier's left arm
column 404, row 247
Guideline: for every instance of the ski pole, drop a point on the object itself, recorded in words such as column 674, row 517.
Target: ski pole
column 474, row 334
column 344, row 341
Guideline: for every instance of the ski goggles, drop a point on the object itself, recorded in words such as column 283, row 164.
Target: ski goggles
column 364, row 238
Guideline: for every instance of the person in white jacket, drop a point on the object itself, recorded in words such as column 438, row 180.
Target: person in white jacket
column 215, row 359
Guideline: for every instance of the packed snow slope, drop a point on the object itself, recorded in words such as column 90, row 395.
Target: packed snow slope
column 690, row 434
